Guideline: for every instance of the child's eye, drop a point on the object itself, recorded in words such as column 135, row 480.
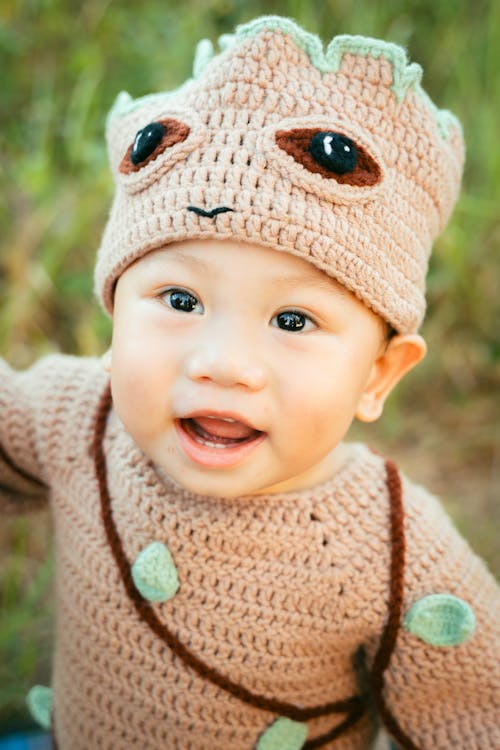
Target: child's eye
column 293, row 320
column 181, row 299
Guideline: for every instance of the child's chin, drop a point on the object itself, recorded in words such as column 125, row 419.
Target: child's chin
column 207, row 484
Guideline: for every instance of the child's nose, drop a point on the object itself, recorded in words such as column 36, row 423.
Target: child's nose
column 226, row 364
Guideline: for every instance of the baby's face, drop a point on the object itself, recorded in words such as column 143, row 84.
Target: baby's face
column 237, row 368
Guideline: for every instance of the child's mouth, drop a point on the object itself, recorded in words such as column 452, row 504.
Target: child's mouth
column 216, row 441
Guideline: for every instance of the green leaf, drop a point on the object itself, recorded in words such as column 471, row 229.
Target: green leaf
column 154, row 573
column 441, row 620
column 284, row 734
column 39, row 700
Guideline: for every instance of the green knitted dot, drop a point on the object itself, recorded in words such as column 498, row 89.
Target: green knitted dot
column 39, row 700
column 284, row 734
column 441, row 620
column 154, row 573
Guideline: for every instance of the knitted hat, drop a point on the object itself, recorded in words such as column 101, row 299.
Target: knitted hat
column 337, row 157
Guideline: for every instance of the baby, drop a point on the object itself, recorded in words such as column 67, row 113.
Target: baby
column 229, row 572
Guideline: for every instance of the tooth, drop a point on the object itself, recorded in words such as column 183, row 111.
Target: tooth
column 211, row 445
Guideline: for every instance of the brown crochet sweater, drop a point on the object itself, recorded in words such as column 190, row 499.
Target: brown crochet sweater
column 286, row 602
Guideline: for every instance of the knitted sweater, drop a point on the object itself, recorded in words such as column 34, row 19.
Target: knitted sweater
column 285, row 602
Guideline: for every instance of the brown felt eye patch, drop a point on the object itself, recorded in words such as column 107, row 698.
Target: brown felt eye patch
column 151, row 141
column 304, row 145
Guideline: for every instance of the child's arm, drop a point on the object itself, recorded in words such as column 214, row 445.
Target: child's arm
column 442, row 685
column 41, row 411
column 22, row 485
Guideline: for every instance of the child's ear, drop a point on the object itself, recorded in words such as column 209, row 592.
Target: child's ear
column 106, row 360
column 401, row 354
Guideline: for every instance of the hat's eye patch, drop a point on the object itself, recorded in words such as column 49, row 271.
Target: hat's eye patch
column 151, row 141
column 330, row 154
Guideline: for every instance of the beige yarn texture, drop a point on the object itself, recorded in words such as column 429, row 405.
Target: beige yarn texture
column 277, row 592
column 375, row 240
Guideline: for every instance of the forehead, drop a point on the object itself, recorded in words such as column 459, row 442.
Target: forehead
column 216, row 258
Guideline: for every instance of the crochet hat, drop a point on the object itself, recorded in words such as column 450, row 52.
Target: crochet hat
column 337, row 157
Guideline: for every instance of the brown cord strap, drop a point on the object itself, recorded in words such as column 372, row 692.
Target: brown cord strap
column 355, row 705
column 344, row 726
column 388, row 640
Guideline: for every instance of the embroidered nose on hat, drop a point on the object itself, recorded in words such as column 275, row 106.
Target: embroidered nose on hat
column 337, row 156
column 210, row 214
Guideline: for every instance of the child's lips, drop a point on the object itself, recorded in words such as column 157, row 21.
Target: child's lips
column 217, row 441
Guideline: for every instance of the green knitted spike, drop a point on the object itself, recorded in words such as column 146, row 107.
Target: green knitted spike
column 284, row 734
column 154, row 573
column 226, row 41
column 445, row 120
column 39, row 700
column 121, row 105
column 202, row 56
column 441, row 620
column 405, row 76
column 310, row 43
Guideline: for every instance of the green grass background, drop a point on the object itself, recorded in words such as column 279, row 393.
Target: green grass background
column 62, row 63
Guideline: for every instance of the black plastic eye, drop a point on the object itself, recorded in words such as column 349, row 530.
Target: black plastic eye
column 332, row 155
column 146, row 141
column 152, row 141
column 334, row 151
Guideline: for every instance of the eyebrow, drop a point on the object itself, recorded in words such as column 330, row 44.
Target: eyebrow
column 324, row 283
column 183, row 258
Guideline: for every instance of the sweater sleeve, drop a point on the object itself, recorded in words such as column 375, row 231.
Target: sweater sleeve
column 33, row 406
column 442, row 684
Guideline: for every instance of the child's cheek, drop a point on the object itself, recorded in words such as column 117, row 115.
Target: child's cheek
column 135, row 337
column 134, row 373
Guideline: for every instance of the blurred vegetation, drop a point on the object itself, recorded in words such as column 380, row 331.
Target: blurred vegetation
column 63, row 63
